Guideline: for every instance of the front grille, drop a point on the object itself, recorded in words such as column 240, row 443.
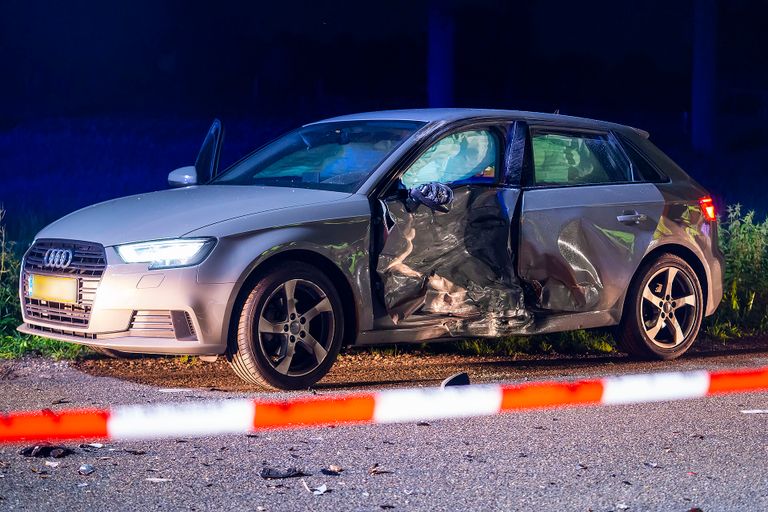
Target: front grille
column 88, row 264
column 88, row 259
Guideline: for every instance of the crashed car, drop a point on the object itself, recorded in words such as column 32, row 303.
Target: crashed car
column 387, row 227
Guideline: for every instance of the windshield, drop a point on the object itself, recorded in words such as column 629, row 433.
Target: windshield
column 329, row 156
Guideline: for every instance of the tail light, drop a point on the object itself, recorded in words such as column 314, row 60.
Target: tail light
column 708, row 208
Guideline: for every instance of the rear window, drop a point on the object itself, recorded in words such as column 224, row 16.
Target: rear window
column 644, row 170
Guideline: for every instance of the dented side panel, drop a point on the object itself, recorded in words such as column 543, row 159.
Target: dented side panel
column 576, row 254
column 453, row 271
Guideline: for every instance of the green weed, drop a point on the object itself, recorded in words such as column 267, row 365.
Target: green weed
column 744, row 243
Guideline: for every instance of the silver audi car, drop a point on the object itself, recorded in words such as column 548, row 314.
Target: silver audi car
column 387, row 227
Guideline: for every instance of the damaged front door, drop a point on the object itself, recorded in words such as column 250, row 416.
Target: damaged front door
column 446, row 260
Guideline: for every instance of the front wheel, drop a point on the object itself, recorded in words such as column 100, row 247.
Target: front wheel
column 290, row 328
column 663, row 311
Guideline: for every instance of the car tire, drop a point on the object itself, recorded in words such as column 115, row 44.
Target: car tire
column 307, row 331
column 663, row 310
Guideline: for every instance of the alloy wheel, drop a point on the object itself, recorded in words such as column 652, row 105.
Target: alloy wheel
column 668, row 307
column 296, row 327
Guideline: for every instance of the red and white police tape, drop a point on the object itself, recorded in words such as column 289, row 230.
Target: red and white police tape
column 391, row 406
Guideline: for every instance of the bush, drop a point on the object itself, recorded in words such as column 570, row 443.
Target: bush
column 10, row 309
column 744, row 243
column 13, row 343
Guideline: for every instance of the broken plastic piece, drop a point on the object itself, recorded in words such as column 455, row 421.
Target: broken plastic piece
column 317, row 491
column 332, row 470
column 377, row 470
column 46, row 450
column 86, row 469
column 273, row 473
column 458, row 379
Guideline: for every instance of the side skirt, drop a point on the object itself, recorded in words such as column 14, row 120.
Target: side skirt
column 442, row 330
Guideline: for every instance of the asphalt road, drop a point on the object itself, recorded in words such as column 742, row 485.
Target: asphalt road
column 679, row 456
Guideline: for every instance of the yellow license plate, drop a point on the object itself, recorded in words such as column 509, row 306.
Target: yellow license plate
column 53, row 289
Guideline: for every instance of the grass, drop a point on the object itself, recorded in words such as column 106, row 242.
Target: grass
column 16, row 345
column 12, row 343
column 743, row 312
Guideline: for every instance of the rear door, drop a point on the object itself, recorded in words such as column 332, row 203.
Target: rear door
column 586, row 221
column 446, row 253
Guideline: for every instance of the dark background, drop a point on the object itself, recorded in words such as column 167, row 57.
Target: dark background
column 101, row 99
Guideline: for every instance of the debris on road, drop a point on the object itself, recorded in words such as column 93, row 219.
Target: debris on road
column 332, row 470
column 274, row 473
column 86, row 469
column 457, row 379
column 90, row 447
column 317, row 491
column 46, row 450
column 156, row 480
column 134, row 452
column 52, row 464
column 377, row 470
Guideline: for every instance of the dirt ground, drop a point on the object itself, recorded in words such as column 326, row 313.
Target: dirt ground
column 363, row 369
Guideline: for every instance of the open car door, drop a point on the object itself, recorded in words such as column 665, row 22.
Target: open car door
column 446, row 261
column 207, row 163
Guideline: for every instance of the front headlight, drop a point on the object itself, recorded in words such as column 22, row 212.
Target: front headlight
column 180, row 252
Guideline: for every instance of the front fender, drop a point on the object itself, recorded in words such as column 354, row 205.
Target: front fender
column 341, row 239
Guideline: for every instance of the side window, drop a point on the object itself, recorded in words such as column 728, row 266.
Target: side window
column 577, row 159
column 464, row 157
column 644, row 170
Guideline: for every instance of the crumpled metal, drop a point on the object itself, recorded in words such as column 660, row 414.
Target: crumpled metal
column 453, row 268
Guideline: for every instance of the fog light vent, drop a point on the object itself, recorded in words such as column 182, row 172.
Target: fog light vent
column 183, row 326
column 152, row 324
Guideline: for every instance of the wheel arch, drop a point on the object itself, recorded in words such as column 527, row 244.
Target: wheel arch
column 317, row 260
column 681, row 251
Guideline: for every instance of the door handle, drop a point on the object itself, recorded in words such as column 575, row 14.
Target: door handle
column 631, row 217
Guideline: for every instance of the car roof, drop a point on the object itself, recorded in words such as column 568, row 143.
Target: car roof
column 429, row 115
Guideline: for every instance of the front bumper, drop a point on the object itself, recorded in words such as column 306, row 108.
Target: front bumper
column 140, row 311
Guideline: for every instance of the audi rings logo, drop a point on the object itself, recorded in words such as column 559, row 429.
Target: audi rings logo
column 57, row 258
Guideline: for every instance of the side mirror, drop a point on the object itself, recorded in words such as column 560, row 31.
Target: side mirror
column 435, row 196
column 183, row 177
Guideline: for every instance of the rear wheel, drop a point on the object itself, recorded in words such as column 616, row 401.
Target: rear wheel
column 290, row 328
column 663, row 311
